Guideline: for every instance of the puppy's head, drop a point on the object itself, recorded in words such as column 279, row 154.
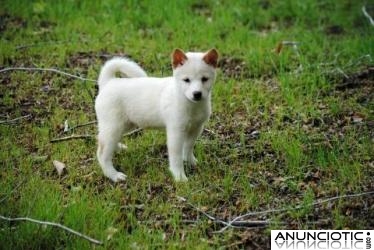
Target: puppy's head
column 195, row 73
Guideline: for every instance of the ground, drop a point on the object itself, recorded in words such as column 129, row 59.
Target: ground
column 290, row 139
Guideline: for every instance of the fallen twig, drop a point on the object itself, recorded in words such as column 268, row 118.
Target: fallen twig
column 236, row 224
column 294, row 208
column 79, row 126
column 332, row 68
column 209, row 131
column 133, row 132
column 342, row 72
column 214, row 219
column 359, row 61
column 367, row 15
column 163, row 222
column 72, row 137
column 241, row 222
column 47, row 69
column 15, row 119
column 54, row 225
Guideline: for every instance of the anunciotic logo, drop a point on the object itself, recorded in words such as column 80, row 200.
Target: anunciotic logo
column 322, row 239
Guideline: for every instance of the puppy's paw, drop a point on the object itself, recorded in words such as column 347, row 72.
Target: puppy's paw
column 117, row 177
column 191, row 161
column 180, row 177
column 121, row 147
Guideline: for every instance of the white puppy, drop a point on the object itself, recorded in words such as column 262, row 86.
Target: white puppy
column 180, row 103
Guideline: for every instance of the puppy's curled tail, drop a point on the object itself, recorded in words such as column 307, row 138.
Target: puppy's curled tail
column 119, row 64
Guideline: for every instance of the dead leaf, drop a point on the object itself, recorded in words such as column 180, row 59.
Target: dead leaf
column 59, row 167
column 279, row 48
column 357, row 118
column 204, row 208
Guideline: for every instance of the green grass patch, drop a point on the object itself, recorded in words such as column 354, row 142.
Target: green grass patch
column 291, row 125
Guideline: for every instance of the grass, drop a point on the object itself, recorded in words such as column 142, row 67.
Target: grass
column 287, row 128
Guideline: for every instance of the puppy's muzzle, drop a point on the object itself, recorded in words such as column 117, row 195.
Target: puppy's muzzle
column 197, row 95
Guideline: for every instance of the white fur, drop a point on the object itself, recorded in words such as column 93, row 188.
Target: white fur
column 118, row 64
column 147, row 102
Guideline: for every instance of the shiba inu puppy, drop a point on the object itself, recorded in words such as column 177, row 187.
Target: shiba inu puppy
column 181, row 104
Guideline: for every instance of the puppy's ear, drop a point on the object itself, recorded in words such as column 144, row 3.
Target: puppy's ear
column 211, row 58
column 178, row 58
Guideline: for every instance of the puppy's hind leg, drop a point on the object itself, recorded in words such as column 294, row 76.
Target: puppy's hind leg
column 108, row 143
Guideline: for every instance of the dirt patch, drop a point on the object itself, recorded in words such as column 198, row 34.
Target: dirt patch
column 360, row 86
column 233, row 67
column 87, row 59
column 7, row 21
column 334, row 30
column 201, row 8
column 362, row 78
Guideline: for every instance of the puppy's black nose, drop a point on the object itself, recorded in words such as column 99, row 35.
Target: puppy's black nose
column 197, row 95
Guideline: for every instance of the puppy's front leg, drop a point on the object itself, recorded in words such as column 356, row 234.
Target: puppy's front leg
column 175, row 148
column 188, row 146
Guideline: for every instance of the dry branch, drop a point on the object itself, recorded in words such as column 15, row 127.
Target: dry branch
column 236, row 224
column 53, row 225
column 73, row 137
column 48, row 70
column 209, row 131
column 242, row 222
column 80, row 125
column 367, row 15
column 15, row 119
column 238, row 218
column 133, row 132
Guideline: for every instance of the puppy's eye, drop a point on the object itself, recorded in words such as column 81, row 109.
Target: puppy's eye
column 187, row 80
column 204, row 79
